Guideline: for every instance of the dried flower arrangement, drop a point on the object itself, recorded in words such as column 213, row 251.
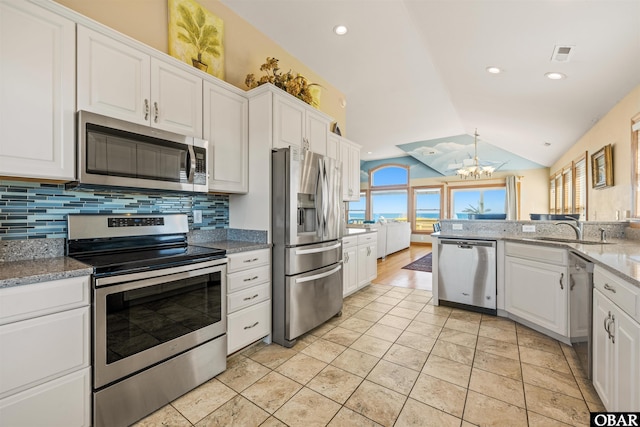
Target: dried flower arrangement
column 297, row 85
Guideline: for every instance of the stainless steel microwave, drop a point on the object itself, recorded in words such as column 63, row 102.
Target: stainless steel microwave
column 116, row 153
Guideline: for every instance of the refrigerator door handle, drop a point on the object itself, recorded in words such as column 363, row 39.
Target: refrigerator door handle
column 319, row 201
column 316, row 250
column 318, row 276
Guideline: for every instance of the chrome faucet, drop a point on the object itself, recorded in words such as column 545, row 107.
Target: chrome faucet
column 577, row 227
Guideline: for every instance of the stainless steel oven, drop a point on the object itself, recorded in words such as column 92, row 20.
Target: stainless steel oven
column 159, row 311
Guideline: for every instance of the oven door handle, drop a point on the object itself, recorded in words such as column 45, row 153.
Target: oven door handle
column 139, row 280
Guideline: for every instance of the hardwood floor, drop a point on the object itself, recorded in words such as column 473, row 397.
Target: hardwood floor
column 390, row 271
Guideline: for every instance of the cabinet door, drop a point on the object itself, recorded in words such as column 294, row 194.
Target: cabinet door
column 288, row 123
column 37, row 87
column 350, row 270
column 317, row 132
column 372, row 263
column 537, row 292
column 176, row 99
column 354, row 172
column 367, row 264
column 602, row 351
column 347, row 166
column 113, row 78
column 626, row 362
column 226, row 117
column 333, row 144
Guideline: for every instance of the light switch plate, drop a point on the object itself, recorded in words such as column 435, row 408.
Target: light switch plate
column 456, row 226
column 197, row 217
column 528, row 228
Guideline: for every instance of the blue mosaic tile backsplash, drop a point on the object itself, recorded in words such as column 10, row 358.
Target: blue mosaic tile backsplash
column 32, row 210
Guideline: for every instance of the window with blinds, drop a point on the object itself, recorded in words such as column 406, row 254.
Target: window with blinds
column 580, row 187
column 567, row 191
column 552, row 195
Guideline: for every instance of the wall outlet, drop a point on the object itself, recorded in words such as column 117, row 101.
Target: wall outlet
column 528, row 228
column 456, row 226
column 197, row 217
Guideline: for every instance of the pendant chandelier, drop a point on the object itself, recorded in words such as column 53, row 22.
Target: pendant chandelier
column 471, row 167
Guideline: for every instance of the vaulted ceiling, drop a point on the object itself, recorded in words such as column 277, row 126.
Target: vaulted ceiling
column 415, row 70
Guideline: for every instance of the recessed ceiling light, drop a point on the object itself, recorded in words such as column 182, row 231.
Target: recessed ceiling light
column 555, row 76
column 369, row 152
column 494, row 70
column 340, row 30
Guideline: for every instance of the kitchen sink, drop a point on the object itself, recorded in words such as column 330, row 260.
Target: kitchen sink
column 560, row 240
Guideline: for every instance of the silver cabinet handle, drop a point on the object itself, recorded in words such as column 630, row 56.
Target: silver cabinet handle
column 346, row 257
column 250, row 260
column 156, row 112
column 611, row 334
column 561, row 277
column 609, row 288
column 250, row 298
column 249, row 279
column 146, row 109
column 252, row 326
column 606, row 324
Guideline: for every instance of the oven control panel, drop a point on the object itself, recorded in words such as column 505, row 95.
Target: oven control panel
column 134, row 222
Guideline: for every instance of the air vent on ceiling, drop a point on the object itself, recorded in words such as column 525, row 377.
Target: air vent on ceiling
column 561, row 53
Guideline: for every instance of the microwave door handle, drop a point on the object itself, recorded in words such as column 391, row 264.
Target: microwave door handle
column 191, row 163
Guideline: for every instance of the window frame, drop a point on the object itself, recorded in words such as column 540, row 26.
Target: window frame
column 412, row 203
column 560, row 204
column 382, row 188
column 451, row 189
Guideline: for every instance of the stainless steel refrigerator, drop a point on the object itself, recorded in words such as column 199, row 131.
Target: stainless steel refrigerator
column 307, row 225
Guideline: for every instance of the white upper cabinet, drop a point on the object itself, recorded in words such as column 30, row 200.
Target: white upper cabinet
column 37, row 87
column 349, row 155
column 121, row 81
column 333, row 146
column 226, row 127
column 297, row 124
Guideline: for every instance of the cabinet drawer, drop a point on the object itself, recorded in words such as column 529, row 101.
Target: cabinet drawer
column 348, row 242
column 244, row 260
column 248, row 278
column 617, row 290
column 367, row 238
column 46, row 347
column 61, row 402
column 248, row 325
column 535, row 252
column 28, row 301
column 245, row 298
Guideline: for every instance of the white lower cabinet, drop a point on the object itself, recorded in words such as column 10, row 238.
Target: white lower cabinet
column 536, row 285
column 359, row 261
column 349, row 265
column 616, row 342
column 367, row 258
column 248, row 298
column 45, row 354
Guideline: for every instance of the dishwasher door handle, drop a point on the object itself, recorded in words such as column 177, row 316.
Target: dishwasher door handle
column 465, row 246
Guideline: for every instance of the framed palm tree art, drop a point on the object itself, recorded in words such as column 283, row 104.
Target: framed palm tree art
column 196, row 36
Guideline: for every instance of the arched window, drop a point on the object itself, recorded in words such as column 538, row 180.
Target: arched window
column 389, row 190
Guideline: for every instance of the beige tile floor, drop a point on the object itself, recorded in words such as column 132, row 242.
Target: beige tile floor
column 394, row 359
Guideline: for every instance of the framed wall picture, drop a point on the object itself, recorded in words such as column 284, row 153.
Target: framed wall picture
column 602, row 167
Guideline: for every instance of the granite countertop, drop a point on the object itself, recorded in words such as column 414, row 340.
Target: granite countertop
column 16, row 273
column 352, row 231
column 234, row 246
column 619, row 256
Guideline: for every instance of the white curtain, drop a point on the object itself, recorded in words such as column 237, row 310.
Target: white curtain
column 511, row 199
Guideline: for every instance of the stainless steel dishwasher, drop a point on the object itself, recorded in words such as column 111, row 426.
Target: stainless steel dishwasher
column 580, row 309
column 467, row 274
